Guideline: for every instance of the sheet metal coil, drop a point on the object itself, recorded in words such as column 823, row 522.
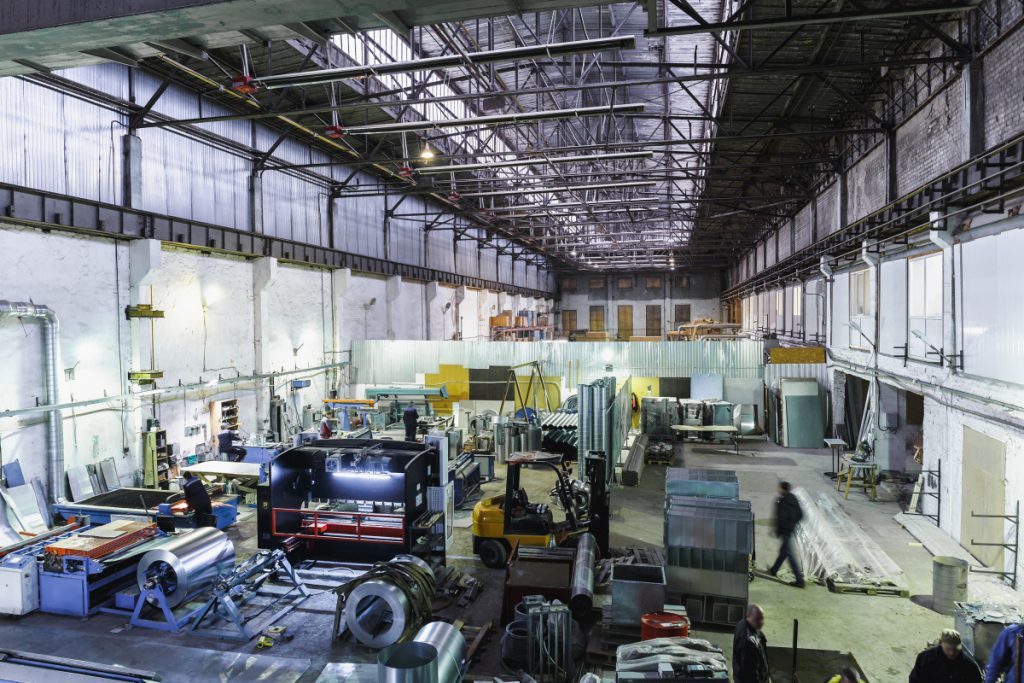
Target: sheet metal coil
column 186, row 564
column 407, row 663
column 383, row 607
column 451, row 648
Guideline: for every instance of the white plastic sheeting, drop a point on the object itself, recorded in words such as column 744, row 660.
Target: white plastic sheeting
column 384, row 361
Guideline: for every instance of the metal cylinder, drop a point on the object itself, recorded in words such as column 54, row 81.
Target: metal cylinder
column 514, row 644
column 533, row 436
column 185, row 565
column 581, row 587
column 407, row 663
column 949, row 583
column 378, row 611
column 450, row 645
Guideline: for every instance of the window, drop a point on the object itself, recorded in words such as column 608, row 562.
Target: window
column 597, row 283
column 924, row 306
column 654, row 283
column 683, row 281
column 568, row 284
column 597, row 318
column 798, row 308
column 654, row 321
column 568, row 322
column 862, row 328
column 625, row 283
column 683, row 314
column 780, row 310
column 860, row 293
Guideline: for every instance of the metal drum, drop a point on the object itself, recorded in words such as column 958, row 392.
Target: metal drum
column 186, row 564
column 949, row 583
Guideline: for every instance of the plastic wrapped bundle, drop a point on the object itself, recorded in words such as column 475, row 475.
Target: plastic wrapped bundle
column 682, row 654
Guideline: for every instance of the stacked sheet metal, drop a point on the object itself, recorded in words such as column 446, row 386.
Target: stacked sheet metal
column 709, row 540
column 702, row 483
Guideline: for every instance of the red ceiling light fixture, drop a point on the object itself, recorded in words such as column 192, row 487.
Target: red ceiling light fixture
column 334, row 132
column 244, row 84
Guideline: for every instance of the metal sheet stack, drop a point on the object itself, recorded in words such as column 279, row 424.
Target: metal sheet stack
column 595, row 427
column 709, row 538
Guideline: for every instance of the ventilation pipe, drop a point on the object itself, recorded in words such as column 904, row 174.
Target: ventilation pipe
column 869, row 253
column 54, row 422
column 825, row 268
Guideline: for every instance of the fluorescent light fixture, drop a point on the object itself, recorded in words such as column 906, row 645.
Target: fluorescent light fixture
column 300, row 78
column 539, row 161
column 496, row 119
column 556, row 188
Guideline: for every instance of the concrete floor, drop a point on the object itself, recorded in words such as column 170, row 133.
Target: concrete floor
column 883, row 633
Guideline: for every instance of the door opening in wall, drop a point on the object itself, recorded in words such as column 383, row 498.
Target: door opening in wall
column 654, row 321
column 625, row 322
column 597, row 318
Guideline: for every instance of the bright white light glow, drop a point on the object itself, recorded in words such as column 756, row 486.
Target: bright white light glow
column 607, row 355
column 212, row 295
column 87, row 351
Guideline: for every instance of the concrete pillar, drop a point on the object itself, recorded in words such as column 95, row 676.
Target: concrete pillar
column 264, row 271
column 974, row 107
column 144, row 259
column 891, row 156
column 131, row 171
column 256, row 202
column 503, row 301
column 392, row 292
column 433, row 317
column 460, row 296
column 342, row 315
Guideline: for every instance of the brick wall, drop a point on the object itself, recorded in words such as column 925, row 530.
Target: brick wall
column 1003, row 71
column 828, row 214
column 865, row 183
column 802, row 228
column 932, row 141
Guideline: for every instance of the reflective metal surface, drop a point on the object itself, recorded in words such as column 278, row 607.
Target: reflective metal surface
column 450, row 645
column 186, row 564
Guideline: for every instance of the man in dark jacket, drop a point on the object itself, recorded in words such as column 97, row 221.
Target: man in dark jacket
column 750, row 649
column 198, row 500
column 946, row 663
column 410, row 418
column 787, row 516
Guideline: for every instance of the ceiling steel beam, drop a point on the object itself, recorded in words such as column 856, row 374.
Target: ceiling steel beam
column 497, row 119
column 556, row 188
column 301, row 78
column 534, row 161
column 813, row 19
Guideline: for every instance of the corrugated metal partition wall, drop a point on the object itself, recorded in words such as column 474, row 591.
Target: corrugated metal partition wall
column 384, row 361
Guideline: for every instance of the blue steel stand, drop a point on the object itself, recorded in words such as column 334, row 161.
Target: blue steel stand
column 171, row 621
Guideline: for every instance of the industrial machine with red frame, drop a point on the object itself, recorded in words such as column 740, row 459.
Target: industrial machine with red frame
column 358, row 500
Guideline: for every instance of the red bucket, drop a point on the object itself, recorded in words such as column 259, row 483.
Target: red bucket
column 663, row 625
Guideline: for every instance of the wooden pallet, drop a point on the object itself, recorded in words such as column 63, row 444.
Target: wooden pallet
column 895, row 591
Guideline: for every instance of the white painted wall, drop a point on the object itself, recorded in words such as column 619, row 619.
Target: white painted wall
column 305, row 317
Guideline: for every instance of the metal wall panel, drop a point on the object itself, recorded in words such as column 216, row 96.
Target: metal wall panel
column 441, row 250
column 488, row 264
column 505, row 268
column 819, row 371
column 384, row 361
column 466, row 257
column 109, row 78
column 359, row 225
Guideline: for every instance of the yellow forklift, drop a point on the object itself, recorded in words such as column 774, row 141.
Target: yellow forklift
column 502, row 521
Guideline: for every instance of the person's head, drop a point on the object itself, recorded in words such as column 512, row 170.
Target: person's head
column 755, row 616
column 848, row 675
column 951, row 643
column 784, row 488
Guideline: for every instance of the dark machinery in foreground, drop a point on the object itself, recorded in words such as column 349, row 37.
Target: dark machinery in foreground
column 359, row 500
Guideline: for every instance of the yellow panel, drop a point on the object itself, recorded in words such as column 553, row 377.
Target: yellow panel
column 812, row 354
column 456, row 379
column 551, row 384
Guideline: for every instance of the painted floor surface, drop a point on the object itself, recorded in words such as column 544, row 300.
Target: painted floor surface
column 884, row 634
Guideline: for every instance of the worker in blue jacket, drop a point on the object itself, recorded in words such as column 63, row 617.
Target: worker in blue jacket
column 1003, row 658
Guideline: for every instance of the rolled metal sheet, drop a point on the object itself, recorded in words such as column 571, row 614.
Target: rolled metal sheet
column 407, row 663
column 451, row 648
column 581, row 588
column 186, row 564
column 378, row 612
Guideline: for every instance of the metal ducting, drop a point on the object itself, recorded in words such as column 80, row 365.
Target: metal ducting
column 186, row 564
column 54, row 422
column 450, row 645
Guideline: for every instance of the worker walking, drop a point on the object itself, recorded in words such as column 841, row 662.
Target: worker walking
column 1006, row 654
column 750, row 649
column 411, row 420
column 787, row 516
column 197, row 498
column 946, row 662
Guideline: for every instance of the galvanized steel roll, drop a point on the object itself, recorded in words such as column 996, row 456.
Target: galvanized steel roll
column 450, row 645
column 186, row 564
column 581, row 588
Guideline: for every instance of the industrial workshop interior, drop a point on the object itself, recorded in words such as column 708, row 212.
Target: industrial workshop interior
column 512, row 341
